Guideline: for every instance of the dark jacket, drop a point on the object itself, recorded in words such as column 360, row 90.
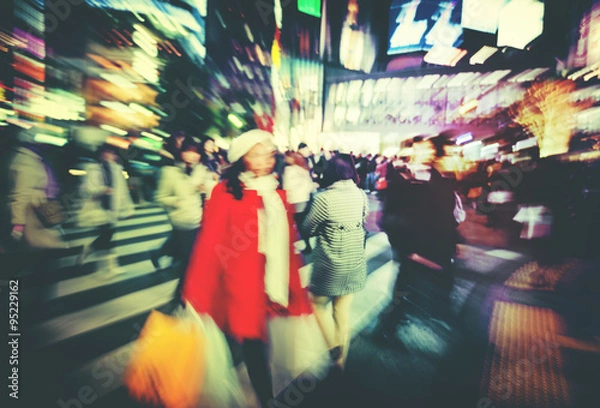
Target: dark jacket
column 418, row 217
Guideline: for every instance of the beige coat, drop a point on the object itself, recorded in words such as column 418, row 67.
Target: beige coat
column 28, row 189
column 178, row 194
column 92, row 214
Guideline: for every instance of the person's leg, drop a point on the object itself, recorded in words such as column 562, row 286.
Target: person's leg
column 341, row 318
column 371, row 179
column 101, row 243
column 443, row 284
column 166, row 249
column 299, row 218
column 323, row 317
column 107, row 245
column 395, row 312
column 257, row 363
column 183, row 241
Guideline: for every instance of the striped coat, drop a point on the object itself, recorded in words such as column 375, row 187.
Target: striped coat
column 337, row 217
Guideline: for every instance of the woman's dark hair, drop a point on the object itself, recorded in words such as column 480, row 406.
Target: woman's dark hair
column 106, row 148
column 171, row 144
column 211, row 161
column 340, row 167
column 231, row 176
column 189, row 144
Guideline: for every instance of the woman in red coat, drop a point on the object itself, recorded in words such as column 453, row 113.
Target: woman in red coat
column 243, row 269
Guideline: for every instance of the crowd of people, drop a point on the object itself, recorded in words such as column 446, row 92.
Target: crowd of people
column 236, row 217
column 235, row 221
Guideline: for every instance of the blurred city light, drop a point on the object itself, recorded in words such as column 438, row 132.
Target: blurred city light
column 49, row 139
column 113, row 129
column 236, row 121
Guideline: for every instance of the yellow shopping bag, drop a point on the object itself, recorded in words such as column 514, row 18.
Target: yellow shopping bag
column 168, row 362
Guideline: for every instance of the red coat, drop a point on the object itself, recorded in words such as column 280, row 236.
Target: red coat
column 225, row 277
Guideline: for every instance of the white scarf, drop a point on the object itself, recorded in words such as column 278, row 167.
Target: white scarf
column 273, row 236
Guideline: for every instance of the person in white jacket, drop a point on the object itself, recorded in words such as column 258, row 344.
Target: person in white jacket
column 206, row 180
column 106, row 201
column 299, row 186
column 179, row 193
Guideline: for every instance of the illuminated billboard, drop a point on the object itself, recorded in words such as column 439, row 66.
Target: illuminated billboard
column 482, row 15
column 520, row 22
column 418, row 25
column 310, row 7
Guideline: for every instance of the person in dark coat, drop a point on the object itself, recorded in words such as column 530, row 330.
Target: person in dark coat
column 418, row 217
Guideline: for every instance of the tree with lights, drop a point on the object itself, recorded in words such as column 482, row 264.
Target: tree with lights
column 548, row 112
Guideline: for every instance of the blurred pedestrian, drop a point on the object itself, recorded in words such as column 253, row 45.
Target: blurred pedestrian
column 337, row 217
column 309, row 157
column 35, row 210
column 179, row 193
column 418, row 217
column 35, row 216
column 299, row 187
column 106, row 201
column 243, row 270
column 210, row 157
column 33, row 192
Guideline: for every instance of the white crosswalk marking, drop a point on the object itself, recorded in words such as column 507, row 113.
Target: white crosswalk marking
column 160, row 217
column 121, row 250
column 76, row 323
column 121, row 235
column 97, row 279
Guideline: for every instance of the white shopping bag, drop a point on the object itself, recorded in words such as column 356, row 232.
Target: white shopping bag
column 297, row 347
column 536, row 220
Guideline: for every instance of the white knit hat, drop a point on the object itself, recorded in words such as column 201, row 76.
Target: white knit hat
column 246, row 141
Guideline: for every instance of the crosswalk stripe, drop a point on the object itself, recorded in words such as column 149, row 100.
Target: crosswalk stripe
column 102, row 315
column 160, row 216
column 122, row 250
column 103, row 374
column 120, row 235
column 98, row 279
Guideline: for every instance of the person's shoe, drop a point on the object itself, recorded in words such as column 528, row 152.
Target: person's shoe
column 85, row 251
column 112, row 265
column 154, row 258
column 335, row 354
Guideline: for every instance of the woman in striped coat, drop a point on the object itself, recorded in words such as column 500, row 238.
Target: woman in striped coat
column 337, row 218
